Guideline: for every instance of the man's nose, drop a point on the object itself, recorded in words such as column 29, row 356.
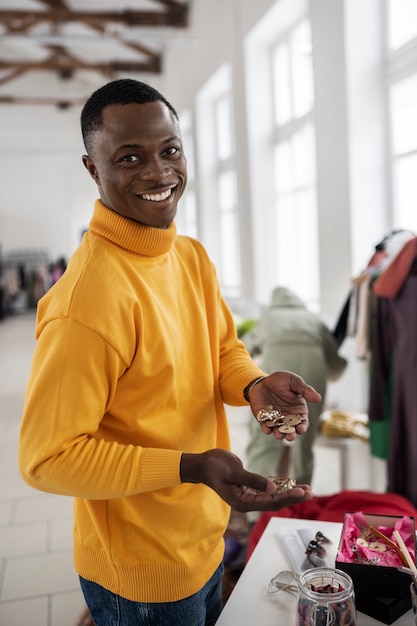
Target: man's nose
column 155, row 168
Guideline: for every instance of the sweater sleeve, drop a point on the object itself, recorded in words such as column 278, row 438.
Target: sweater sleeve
column 237, row 369
column 61, row 449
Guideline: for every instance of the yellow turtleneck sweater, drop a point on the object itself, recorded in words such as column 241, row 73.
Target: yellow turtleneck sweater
column 136, row 353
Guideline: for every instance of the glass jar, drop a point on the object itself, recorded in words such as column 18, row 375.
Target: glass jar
column 413, row 592
column 325, row 598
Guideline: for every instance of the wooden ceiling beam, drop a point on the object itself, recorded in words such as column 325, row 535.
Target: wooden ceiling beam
column 70, row 64
column 175, row 16
column 22, row 24
column 137, row 47
column 63, row 5
column 171, row 13
column 60, row 103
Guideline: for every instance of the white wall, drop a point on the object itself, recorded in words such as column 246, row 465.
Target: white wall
column 46, row 194
column 218, row 28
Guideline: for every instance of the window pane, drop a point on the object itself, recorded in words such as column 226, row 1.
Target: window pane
column 402, row 22
column 286, row 225
column 404, row 115
column 229, row 231
column 281, row 80
column 296, row 220
column 296, row 237
column 308, row 237
column 283, row 171
column 294, row 161
column 302, row 70
column 224, row 128
column 230, row 274
column 405, row 192
column 293, row 75
column 304, row 156
column 227, row 191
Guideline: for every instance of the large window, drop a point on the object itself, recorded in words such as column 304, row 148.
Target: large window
column 402, row 87
column 294, row 167
column 403, row 109
column 227, row 195
column 296, row 228
column 293, row 76
column 401, row 22
column 217, row 173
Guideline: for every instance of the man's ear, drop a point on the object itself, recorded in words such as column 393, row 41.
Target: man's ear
column 89, row 165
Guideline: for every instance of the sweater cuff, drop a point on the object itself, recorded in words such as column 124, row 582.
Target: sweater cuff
column 160, row 468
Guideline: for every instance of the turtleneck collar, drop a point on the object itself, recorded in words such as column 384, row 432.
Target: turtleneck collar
column 130, row 235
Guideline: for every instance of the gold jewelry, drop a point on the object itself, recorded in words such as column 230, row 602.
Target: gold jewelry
column 283, row 484
column 379, row 546
column 360, row 541
column 286, row 428
column 274, row 419
column 269, row 416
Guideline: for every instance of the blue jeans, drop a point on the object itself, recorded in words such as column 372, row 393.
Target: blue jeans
column 201, row 609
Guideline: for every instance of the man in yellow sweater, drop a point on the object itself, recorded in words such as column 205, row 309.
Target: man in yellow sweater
column 136, row 354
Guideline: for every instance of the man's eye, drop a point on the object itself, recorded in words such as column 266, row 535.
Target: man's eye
column 129, row 158
column 173, row 151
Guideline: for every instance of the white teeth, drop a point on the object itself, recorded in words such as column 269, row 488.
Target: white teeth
column 156, row 197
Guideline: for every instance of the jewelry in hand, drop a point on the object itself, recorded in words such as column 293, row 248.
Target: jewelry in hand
column 274, row 419
column 283, row 484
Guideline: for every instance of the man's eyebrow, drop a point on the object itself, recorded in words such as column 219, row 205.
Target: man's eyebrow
column 173, row 138
column 131, row 146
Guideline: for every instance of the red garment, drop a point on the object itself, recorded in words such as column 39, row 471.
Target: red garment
column 394, row 276
column 332, row 509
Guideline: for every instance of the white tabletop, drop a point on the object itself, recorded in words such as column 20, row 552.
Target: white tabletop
column 250, row 604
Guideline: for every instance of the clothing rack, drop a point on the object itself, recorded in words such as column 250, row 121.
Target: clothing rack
column 23, row 279
column 383, row 301
column 28, row 258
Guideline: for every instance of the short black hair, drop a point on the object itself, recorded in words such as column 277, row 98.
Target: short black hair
column 122, row 91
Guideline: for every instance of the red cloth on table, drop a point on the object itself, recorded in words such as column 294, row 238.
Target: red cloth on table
column 332, row 509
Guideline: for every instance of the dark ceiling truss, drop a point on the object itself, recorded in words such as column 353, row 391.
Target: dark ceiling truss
column 18, row 22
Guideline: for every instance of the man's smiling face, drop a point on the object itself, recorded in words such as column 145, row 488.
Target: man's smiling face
column 137, row 162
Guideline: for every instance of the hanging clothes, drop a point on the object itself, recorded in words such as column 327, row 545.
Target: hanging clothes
column 365, row 319
column 353, row 316
column 393, row 388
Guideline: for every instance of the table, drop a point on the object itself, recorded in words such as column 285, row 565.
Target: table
column 250, row 604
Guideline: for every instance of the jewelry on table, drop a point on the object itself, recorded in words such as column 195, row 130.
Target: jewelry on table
column 362, row 559
column 286, row 580
column 283, row 581
column 316, row 551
